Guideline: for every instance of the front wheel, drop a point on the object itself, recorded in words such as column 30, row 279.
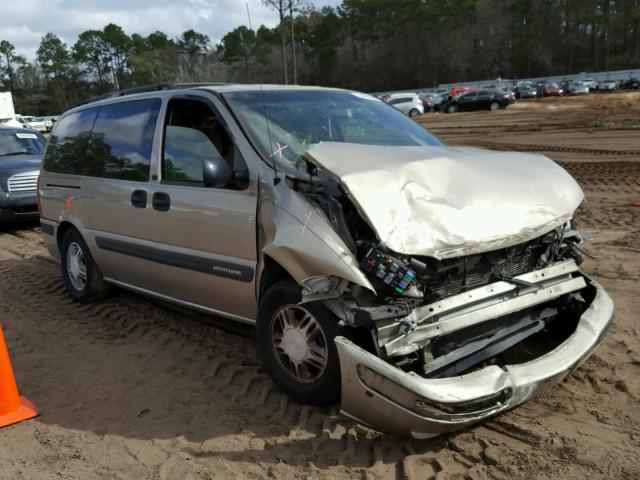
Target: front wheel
column 295, row 344
column 494, row 106
column 452, row 109
column 414, row 113
column 81, row 276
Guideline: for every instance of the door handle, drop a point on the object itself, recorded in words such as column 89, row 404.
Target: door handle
column 161, row 201
column 139, row 198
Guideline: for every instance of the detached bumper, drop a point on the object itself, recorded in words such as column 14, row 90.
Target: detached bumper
column 405, row 404
column 18, row 205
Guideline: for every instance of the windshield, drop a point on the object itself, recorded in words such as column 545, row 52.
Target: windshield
column 21, row 143
column 284, row 125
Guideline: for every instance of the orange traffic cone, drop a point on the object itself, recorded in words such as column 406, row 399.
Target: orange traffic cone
column 13, row 408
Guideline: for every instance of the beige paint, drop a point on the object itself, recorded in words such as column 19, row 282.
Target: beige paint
column 447, row 202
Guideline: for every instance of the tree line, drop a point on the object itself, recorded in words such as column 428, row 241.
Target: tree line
column 368, row 45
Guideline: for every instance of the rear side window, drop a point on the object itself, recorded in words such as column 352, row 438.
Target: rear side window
column 68, row 143
column 121, row 141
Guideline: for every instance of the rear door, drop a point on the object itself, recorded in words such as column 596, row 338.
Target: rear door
column 403, row 104
column 466, row 101
column 115, row 209
column 203, row 249
column 482, row 100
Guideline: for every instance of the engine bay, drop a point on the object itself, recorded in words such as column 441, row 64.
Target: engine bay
column 443, row 317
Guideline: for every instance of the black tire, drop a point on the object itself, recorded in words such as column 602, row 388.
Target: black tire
column 95, row 288
column 494, row 106
column 414, row 113
column 452, row 109
column 324, row 389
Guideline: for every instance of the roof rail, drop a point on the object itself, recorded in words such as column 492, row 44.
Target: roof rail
column 154, row 87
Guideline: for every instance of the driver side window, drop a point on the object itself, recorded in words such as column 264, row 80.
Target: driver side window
column 192, row 133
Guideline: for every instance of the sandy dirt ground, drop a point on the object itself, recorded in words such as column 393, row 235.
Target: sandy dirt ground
column 132, row 389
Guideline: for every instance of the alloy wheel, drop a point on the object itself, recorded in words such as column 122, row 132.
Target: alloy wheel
column 299, row 343
column 76, row 266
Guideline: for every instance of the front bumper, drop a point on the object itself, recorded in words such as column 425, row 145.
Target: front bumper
column 18, row 205
column 405, row 404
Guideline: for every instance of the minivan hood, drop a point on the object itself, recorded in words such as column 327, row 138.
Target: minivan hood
column 446, row 202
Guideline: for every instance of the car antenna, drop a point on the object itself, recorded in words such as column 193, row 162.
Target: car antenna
column 276, row 179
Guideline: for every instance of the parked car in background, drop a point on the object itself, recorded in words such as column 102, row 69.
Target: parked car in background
column 574, row 87
column 454, row 91
column 36, row 123
column 631, row 84
column 50, row 121
column 552, row 89
column 427, row 102
column 408, row 103
column 525, row 91
column 510, row 93
column 21, row 152
column 479, row 100
column 608, row 86
column 590, row 83
column 431, row 101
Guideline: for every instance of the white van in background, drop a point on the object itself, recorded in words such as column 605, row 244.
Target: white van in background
column 7, row 112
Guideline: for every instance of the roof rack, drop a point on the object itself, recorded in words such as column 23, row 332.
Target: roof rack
column 154, row 87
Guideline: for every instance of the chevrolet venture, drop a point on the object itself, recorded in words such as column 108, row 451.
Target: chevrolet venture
column 428, row 287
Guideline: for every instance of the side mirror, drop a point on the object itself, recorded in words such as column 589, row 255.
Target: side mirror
column 216, row 172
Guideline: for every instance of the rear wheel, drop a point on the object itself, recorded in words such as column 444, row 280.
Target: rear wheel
column 452, row 109
column 414, row 113
column 295, row 344
column 494, row 106
column 81, row 276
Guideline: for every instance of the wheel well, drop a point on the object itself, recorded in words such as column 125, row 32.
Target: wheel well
column 271, row 273
column 63, row 228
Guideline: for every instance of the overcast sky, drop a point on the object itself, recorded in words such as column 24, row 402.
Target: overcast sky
column 24, row 23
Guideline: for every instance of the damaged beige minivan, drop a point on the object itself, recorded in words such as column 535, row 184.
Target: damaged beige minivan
column 427, row 287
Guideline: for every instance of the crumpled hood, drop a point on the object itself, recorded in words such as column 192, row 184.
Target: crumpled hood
column 445, row 202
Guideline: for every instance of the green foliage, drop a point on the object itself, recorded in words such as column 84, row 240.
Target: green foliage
column 368, row 45
column 53, row 57
column 193, row 45
column 10, row 64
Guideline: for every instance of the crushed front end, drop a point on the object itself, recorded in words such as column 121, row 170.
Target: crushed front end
column 457, row 340
column 463, row 295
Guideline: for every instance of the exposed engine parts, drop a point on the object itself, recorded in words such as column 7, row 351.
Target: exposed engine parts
column 389, row 274
column 441, row 317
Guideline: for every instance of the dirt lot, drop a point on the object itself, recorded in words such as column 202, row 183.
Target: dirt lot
column 132, row 389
